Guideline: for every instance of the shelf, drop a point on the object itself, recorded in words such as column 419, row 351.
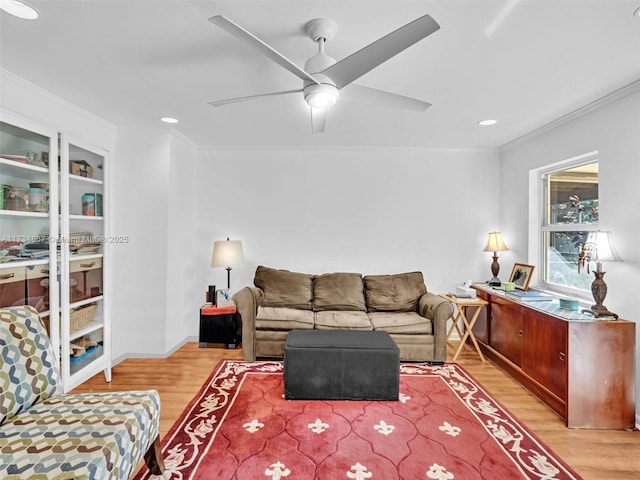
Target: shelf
column 27, row 262
column 85, row 217
column 24, row 170
column 88, row 256
column 23, row 214
column 86, row 330
column 86, row 301
column 78, row 178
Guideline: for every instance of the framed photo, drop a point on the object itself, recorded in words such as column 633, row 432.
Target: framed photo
column 223, row 297
column 521, row 275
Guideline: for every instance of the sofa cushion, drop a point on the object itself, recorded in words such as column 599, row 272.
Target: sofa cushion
column 394, row 293
column 283, row 288
column 342, row 320
column 338, row 291
column 281, row 318
column 28, row 368
column 401, row 322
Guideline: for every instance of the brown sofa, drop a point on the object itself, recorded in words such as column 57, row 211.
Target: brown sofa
column 399, row 304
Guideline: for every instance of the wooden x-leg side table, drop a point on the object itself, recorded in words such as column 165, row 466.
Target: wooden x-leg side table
column 459, row 313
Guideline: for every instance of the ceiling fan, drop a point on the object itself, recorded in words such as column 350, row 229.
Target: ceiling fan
column 325, row 81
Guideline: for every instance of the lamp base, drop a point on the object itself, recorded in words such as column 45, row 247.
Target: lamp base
column 602, row 311
column 494, row 282
column 599, row 292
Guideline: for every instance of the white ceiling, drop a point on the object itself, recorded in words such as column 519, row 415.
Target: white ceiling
column 523, row 62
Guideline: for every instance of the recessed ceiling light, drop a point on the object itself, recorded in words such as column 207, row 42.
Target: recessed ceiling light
column 487, row 122
column 19, row 9
column 169, row 120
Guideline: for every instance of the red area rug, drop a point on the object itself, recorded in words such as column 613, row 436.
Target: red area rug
column 445, row 426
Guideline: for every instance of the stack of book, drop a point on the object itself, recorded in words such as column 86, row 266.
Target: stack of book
column 530, row 295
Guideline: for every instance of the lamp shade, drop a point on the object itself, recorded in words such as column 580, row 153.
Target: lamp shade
column 227, row 253
column 495, row 243
column 603, row 249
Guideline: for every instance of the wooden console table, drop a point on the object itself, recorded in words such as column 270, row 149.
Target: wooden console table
column 582, row 368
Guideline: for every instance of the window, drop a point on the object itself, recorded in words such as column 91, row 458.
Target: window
column 571, row 210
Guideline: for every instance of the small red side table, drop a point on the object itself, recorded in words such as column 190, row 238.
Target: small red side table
column 220, row 325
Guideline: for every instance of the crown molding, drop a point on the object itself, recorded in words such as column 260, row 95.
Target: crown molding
column 61, row 102
column 590, row 107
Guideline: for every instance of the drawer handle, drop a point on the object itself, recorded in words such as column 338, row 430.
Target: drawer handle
column 562, row 356
column 520, row 333
column 87, row 265
column 8, row 275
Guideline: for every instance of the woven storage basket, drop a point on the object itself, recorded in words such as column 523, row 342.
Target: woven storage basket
column 82, row 317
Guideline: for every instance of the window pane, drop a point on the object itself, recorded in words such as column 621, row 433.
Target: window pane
column 573, row 196
column 561, row 262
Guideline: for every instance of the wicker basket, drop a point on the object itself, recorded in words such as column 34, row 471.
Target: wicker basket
column 82, row 317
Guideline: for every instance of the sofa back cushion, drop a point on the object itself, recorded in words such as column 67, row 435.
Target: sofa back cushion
column 28, row 368
column 394, row 293
column 283, row 288
column 338, row 291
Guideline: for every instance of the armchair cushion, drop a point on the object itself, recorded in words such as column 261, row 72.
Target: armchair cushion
column 101, row 435
column 28, row 369
column 283, row 288
column 394, row 293
column 338, row 291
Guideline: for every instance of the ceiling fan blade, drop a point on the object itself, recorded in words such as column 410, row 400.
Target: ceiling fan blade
column 219, row 103
column 355, row 93
column 357, row 64
column 239, row 32
column 318, row 119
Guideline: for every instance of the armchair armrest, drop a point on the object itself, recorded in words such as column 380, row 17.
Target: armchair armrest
column 438, row 310
column 247, row 301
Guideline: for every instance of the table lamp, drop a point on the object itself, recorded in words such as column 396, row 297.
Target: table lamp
column 228, row 254
column 599, row 249
column 495, row 244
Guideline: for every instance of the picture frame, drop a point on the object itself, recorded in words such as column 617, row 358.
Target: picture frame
column 223, row 297
column 521, row 275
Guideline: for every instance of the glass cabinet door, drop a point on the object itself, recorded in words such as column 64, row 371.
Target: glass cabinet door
column 29, row 218
column 83, row 228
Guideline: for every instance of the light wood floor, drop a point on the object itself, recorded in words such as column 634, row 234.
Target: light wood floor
column 594, row 454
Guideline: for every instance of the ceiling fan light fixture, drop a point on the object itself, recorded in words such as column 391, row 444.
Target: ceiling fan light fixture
column 320, row 96
column 19, row 9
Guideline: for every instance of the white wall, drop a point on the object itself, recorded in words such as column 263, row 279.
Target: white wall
column 154, row 306
column 183, row 295
column 368, row 210
column 613, row 130
column 140, row 176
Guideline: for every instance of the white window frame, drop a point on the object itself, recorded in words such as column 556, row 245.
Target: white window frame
column 537, row 220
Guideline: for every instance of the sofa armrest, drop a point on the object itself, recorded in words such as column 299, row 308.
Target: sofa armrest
column 438, row 310
column 247, row 301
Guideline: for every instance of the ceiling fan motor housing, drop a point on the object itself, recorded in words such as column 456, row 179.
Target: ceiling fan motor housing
column 321, row 95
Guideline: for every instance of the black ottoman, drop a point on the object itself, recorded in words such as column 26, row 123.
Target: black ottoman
column 341, row 365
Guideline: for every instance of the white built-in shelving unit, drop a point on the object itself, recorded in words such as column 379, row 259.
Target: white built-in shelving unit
column 63, row 263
